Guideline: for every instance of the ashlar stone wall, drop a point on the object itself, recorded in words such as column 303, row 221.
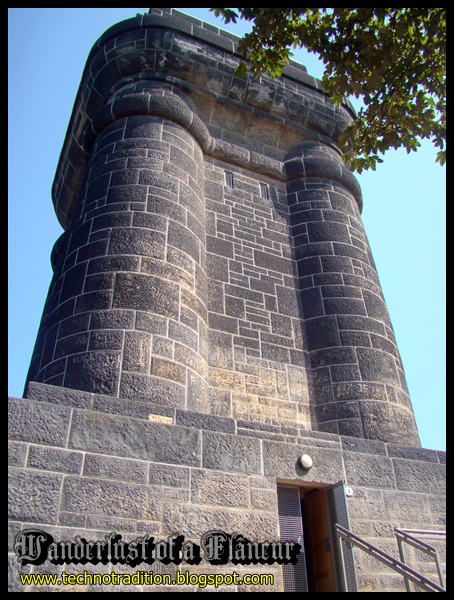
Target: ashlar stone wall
column 84, row 465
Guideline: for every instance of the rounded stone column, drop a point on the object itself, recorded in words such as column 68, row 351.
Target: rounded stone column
column 126, row 313
column 359, row 381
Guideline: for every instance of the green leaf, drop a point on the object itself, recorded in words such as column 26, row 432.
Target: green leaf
column 241, row 70
column 394, row 59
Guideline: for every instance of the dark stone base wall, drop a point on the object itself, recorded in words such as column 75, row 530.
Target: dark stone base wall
column 85, row 464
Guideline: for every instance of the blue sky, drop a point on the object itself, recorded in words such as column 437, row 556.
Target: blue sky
column 404, row 203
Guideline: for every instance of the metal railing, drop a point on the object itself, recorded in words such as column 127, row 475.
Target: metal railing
column 412, row 538
column 383, row 557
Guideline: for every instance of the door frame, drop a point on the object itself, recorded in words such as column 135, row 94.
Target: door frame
column 335, row 509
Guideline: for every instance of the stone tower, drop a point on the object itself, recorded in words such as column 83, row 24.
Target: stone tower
column 214, row 313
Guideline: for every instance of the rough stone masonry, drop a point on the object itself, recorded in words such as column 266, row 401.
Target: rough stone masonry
column 214, row 312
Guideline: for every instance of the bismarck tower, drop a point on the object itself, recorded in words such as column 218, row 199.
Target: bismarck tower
column 214, row 314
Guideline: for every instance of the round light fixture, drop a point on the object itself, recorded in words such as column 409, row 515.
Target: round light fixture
column 306, row 461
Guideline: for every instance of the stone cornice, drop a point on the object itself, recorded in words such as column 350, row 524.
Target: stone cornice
column 155, row 47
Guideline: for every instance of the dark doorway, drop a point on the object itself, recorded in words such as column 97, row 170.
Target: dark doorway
column 308, row 514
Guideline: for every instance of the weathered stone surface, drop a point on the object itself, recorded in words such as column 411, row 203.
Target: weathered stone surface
column 94, row 496
column 119, row 469
column 377, row 366
column 418, row 476
column 210, row 487
column 201, row 421
column 38, row 422
column 155, row 389
column 17, row 453
column 55, row 459
column 203, row 327
column 147, row 293
column 280, row 460
column 97, row 372
column 170, row 475
column 33, row 496
column 389, row 423
column 367, row 503
column 231, row 453
column 193, row 521
column 352, row 444
column 58, row 395
column 366, row 470
column 132, row 438
column 406, row 507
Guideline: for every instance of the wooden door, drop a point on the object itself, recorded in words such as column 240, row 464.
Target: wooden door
column 318, row 544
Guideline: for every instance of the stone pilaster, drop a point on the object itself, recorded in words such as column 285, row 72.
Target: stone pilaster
column 360, row 387
column 126, row 314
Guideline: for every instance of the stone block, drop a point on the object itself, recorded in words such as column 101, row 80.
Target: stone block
column 167, row 369
column 288, row 302
column 209, row 422
column 113, row 319
column 119, row 469
column 169, row 475
column 106, row 340
column 96, row 372
column 280, row 460
column 72, row 345
column 366, row 470
column 367, row 504
column 17, row 453
column 94, row 497
column 119, row 525
column 364, row 446
column 216, row 488
column 58, row 395
column 146, row 293
column 69, row 519
column 377, row 366
column 136, row 352
column 388, row 422
column 38, row 422
column 312, row 303
column 55, row 459
column 142, row 242
column 132, row 438
column 193, row 521
column 127, row 193
column 139, row 408
column 343, row 306
column 183, row 239
column 419, row 476
column 407, row 507
column 272, row 262
column 231, row 453
column 326, row 231
column 322, row 332
column 33, row 496
column 412, row 453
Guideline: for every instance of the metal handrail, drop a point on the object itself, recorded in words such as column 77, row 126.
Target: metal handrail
column 387, row 559
column 409, row 536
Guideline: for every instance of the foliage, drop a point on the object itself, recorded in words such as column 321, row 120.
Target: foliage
column 394, row 59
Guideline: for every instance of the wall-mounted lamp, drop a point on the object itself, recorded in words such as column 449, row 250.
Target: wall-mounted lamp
column 305, row 461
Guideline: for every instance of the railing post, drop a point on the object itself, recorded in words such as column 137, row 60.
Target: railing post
column 341, row 554
column 409, row 536
column 397, row 565
column 402, row 558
